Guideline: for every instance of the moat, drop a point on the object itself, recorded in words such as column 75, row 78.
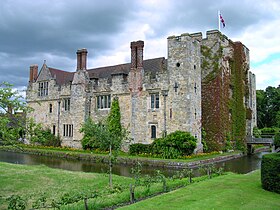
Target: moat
column 241, row 165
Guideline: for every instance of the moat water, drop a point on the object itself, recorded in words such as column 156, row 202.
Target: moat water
column 241, row 165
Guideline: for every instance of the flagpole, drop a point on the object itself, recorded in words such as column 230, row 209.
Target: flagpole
column 219, row 24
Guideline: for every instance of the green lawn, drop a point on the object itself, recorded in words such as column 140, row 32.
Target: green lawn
column 231, row 191
column 33, row 182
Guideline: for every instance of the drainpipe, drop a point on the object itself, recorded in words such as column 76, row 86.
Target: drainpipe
column 165, row 94
column 58, row 119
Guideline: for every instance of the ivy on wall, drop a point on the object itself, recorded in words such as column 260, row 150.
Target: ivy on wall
column 223, row 110
column 239, row 87
column 215, row 95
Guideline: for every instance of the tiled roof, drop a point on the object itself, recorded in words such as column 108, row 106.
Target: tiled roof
column 62, row 77
column 151, row 65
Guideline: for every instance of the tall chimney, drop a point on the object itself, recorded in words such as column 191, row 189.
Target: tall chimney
column 133, row 55
column 140, row 46
column 137, row 54
column 33, row 73
column 82, row 59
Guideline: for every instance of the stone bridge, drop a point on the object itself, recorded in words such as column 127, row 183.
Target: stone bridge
column 269, row 141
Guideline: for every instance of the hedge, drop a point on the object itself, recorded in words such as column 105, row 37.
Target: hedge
column 270, row 172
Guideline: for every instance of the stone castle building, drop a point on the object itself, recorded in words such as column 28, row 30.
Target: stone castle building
column 156, row 96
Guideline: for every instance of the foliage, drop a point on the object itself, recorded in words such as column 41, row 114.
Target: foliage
column 268, row 107
column 139, row 148
column 257, row 132
column 178, row 143
column 12, row 109
column 174, row 145
column 270, row 171
column 238, row 111
column 16, row 202
column 38, row 135
column 103, row 134
column 203, row 140
column 114, row 119
column 277, row 140
column 89, row 128
column 269, row 132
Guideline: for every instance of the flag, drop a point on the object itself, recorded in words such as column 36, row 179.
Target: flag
column 222, row 21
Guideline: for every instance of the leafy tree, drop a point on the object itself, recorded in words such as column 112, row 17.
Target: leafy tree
column 268, row 107
column 106, row 136
column 12, row 117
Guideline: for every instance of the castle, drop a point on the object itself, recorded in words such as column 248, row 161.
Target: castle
column 202, row 83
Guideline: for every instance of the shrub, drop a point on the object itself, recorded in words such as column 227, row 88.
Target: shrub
column 256, row 132
column 277, row 140
column 135, row 149
column 270, row 172
column 46, row 138
column 174, row 145
column 181, row 141
column 269, row 132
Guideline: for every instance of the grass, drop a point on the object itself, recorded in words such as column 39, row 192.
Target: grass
column 33, row 183
column 232, row 191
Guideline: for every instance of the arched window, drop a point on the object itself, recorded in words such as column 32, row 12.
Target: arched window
column 50, row 108
column 153, row 131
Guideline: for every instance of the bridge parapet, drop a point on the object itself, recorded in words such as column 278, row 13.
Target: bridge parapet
column 253, row 140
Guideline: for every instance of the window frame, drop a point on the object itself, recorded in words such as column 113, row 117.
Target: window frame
column 43, row 88
column 66, row 104
column 154, row 100
column 68, row 130
column 103, row 102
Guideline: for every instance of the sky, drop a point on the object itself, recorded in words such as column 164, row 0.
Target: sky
column 34, row 31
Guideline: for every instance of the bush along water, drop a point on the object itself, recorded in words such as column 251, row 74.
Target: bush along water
column 174, row 145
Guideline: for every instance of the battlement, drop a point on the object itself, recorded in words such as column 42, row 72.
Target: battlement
column 210, row 35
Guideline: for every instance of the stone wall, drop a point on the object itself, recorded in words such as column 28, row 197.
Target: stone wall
column 184, row 96
column 194, row 86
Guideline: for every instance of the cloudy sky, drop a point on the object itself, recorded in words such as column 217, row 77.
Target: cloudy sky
column 32, row 31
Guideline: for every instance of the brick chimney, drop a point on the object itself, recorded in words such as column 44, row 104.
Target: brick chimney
column 82, row 59
column 137, row 54
column 33, row 73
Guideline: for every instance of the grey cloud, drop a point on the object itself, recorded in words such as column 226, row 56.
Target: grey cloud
column 32, row 28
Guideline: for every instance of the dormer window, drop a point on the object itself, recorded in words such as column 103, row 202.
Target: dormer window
column 43, row 89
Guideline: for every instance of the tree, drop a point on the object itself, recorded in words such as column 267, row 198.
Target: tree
column 107, row 135
column 115, row 129
column 268, row 107
column 12, row 114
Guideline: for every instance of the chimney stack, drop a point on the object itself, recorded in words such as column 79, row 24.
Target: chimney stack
column 33, row 73
column 137, row 54
column 82, row 59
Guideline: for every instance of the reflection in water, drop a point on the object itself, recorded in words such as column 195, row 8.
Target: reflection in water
column 240, row 165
